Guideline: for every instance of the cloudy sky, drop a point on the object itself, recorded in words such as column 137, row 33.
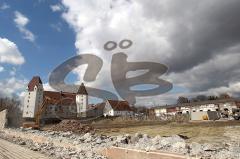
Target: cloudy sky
column 199, row 41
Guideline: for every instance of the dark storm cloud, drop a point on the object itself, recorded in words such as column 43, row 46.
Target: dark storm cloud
column 198, row 40
column 201, row 32
column 208, row 30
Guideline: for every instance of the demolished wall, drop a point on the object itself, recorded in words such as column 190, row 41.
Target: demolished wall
column 3, row 119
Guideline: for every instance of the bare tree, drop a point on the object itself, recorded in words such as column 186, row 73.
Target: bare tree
column 224, row 96
column 212, row 97
column 182, row 100
column 202, row 98
column 14, row 114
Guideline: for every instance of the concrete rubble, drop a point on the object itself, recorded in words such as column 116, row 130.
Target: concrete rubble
column 88, row 145
column 72, row 125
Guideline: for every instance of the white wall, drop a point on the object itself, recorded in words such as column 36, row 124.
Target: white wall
column 32, row 101
column 159, row 111
column 108, row 111
column 205, row 108
column 185, row 110
column 228, row 105
column 82, row 103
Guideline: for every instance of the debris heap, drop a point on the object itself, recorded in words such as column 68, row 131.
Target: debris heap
column 72, row 125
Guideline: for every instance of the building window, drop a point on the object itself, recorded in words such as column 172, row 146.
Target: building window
column 194, row 110
column 216, row 109
column 208, row 110
column 201, row 110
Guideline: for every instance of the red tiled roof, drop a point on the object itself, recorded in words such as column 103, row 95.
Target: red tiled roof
column 36, row 80
column 61, row 98
column 100, row 106
column 120, row 105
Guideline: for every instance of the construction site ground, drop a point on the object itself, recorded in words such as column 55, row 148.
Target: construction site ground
column 100, row 138
column 201, row 131
column 198, row 131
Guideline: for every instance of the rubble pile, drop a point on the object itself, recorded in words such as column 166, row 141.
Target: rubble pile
column 81, row 145
column 72, row 125
column 178, row 144
column 87, row 145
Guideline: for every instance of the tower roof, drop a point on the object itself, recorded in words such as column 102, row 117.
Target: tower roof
column 36, row 80
column 82, row 90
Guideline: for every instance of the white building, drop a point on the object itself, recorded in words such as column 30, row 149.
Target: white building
column 33, row 97
column 117, row 108
column 160, row 111
column 82, row 101
column 59, row 104
column 219, row 105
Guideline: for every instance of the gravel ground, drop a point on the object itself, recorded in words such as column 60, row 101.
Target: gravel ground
column 87, row 145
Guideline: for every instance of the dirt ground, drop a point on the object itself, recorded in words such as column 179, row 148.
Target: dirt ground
column 201, row 132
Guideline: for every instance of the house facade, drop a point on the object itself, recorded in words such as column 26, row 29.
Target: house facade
column 158, row 111
column 58, row 104
column 82, row 101
column 62, row 105
column 33, row 97
column 96, row 110
column 221, row 105
column 117, row 108
column 66, row 105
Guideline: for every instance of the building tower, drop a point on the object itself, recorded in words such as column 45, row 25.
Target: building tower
column 82, row 101
column 33, row 97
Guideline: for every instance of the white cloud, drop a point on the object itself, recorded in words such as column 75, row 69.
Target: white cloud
column 9, row 52
column 171, row 97
column 4, row 6
column 100, row 21
column 21, row 21
column 186, row 36
column 56, row 7
column 46, row 87
column 1, row 69
column 11, row 86
column 217, row 72
column 57, row 27
column 232, row 89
